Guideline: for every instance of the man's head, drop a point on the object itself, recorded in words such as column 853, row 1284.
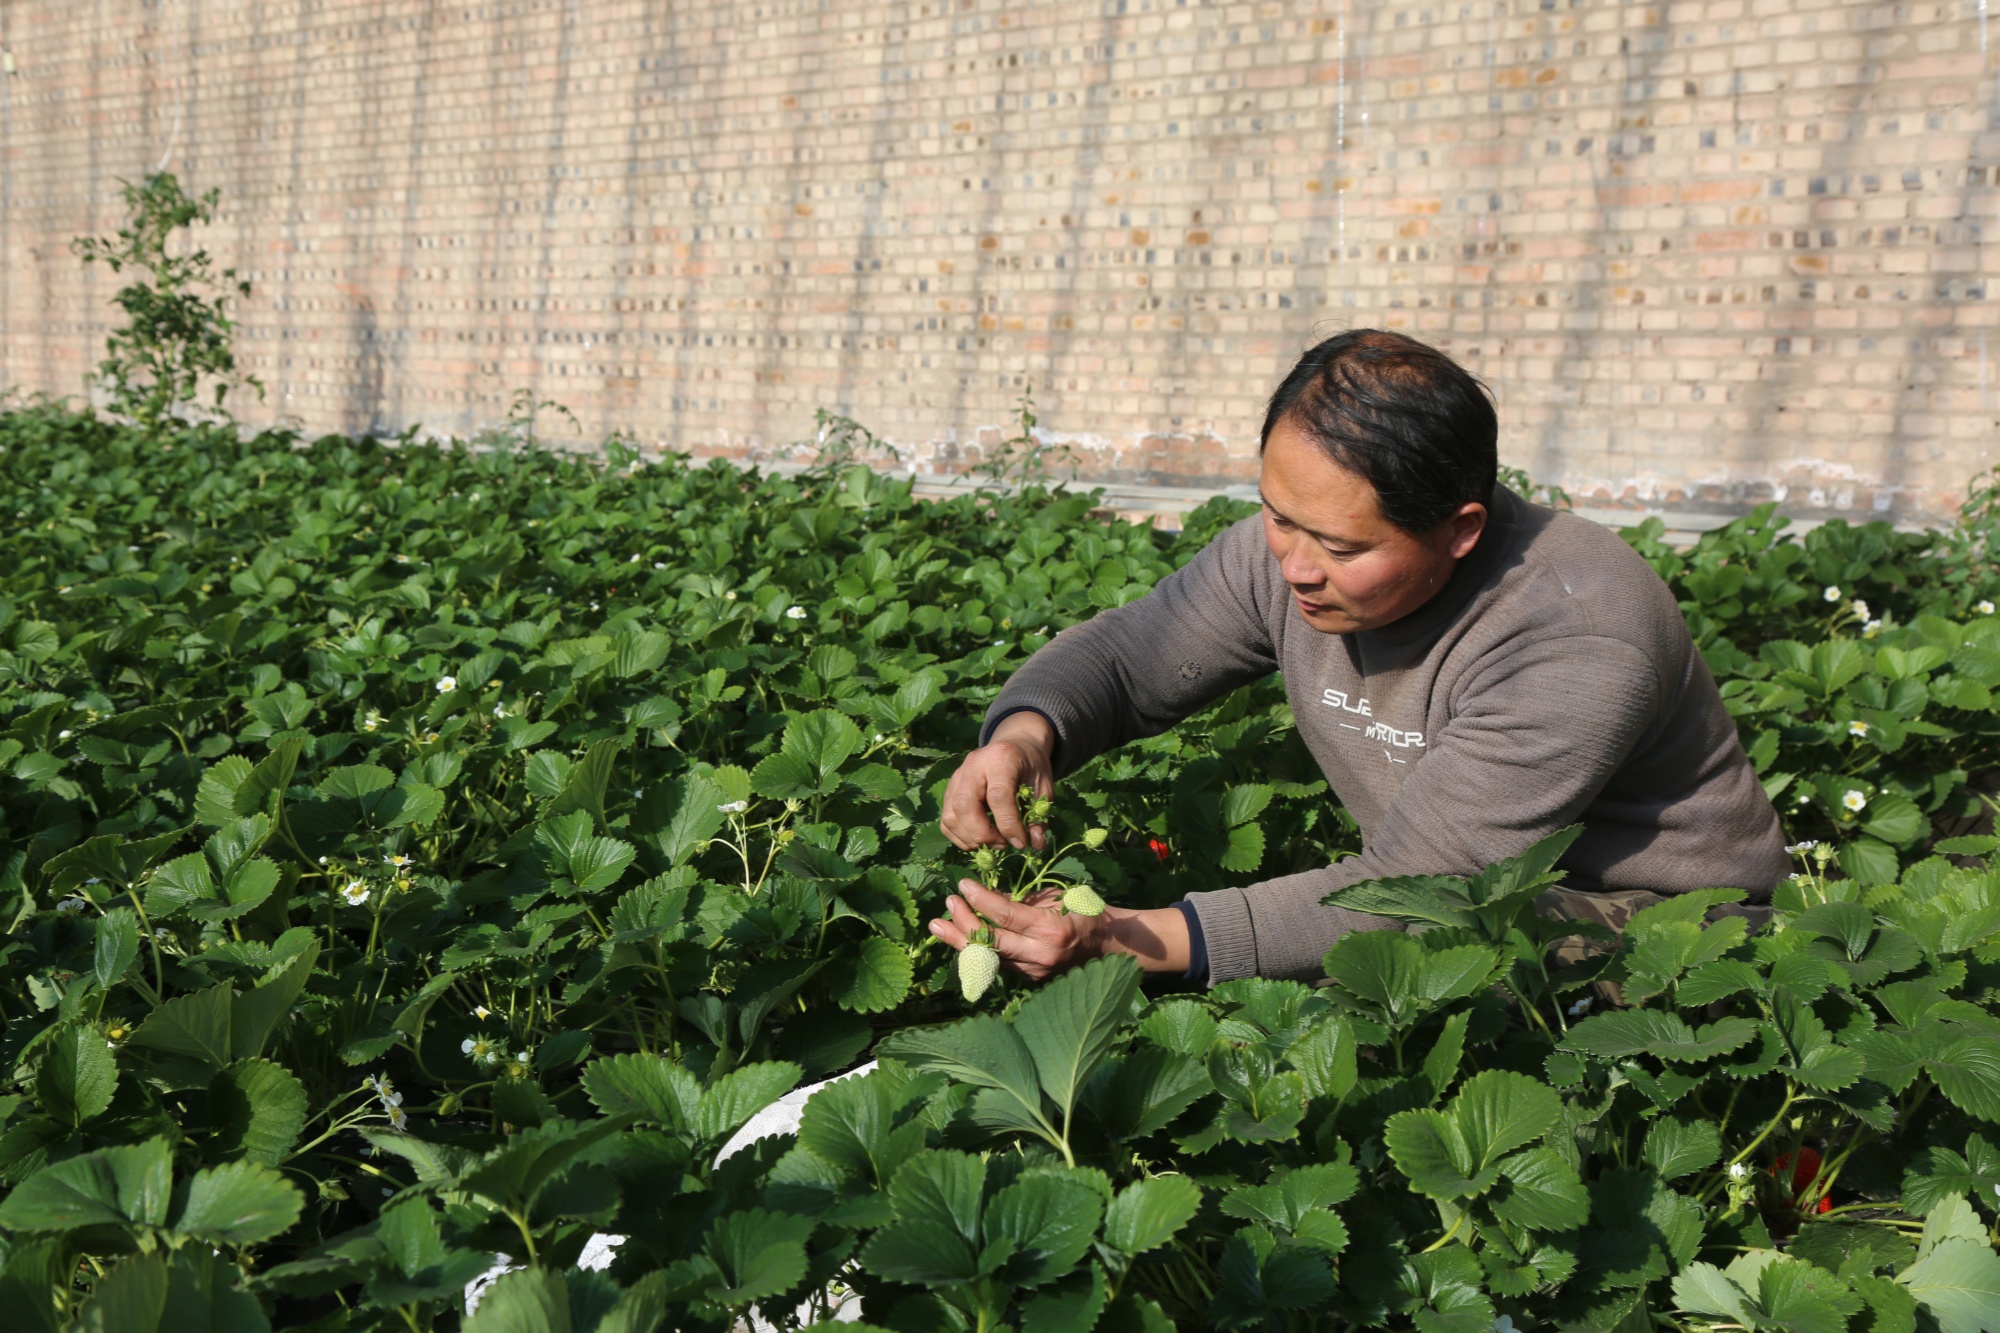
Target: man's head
column 1379, row 462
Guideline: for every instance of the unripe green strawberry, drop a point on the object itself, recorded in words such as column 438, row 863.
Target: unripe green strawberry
column 1093, row 838
column 1083, row 900
column 978, row 968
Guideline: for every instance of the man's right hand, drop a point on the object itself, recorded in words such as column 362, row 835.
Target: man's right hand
column 981, row 808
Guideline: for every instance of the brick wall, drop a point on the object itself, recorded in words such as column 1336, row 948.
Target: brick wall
column 1705, row 253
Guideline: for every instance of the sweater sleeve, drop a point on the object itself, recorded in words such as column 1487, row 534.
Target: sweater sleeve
column 1533, row 741
column 1135, row 670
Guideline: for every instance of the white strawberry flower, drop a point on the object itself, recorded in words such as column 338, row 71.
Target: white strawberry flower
column 1739, row 1171
column 1857, row 728
column 481, row 1012
column 1832, row 594
column 1854, row 800
column 1859, row 607
column 733, row 807
column 1984, row 608
column 70, row 905
column 355, row 892
column 484, row 1051
column 795, row 613
column 446, row 684
column 1872, row 628
column 398, row 860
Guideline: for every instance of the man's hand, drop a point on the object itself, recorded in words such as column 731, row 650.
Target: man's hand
column 1036, row 939
column 1032, row 937
column 980, row 808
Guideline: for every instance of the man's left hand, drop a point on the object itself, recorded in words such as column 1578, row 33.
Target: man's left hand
column 1032, row 936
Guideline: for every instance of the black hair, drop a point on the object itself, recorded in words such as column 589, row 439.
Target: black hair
column 1404, row 416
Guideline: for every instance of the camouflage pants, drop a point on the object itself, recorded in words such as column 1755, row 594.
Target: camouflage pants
column 1613, row 908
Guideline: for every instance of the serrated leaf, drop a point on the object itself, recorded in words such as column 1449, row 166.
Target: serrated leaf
column 119, row 1186
column 215, row 797
column 1148, row 1213
column 256, row 1110
column 1047, row 1223
column 872, row 978
column 239, row 1203
column 1625, row 1033
column 1068, row 1026
column 584, row 785
column 116, row 947
column 77, row 1076
column 1181, row 1026
column 984, row 1052
column 781, row 777
column 131, row 1298
column 411, row 804
column 1326, row 1056
column 1966, row 1069
column 356, row 781
column 1679, row 1145
column 648, row 1086
column 1428, row 1147
column 528, row 1300
column 821, row 740
column 597, row 863
column 1541, row 1192
column 261, row 1010
column 732, row 1099
column 1400, row 979
column 936, row 1196
column 760, row 1253
column 195, row 1025
column 1244, row 849
column 1705, row 1289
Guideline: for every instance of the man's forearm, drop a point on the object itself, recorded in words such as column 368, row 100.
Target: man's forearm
column 1135, row 670
column 1158, row 937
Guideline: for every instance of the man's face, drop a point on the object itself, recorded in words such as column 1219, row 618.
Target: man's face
column 1349, row 568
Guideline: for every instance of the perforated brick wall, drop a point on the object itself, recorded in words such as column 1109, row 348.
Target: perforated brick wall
column 1705, row 252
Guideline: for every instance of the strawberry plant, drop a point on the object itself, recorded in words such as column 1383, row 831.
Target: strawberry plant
column 413, row 856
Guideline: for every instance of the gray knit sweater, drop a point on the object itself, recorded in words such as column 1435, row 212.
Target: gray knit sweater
column 1552, row 681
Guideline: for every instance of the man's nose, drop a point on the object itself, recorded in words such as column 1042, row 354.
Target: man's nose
column 1299, row 567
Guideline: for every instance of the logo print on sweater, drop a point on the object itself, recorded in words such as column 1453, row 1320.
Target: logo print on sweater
column 1336, row 699
column 1374, row 731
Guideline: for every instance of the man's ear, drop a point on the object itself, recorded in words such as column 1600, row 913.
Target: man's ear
column 1463, row 529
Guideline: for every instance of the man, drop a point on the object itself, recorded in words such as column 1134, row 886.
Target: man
column 1471, row 671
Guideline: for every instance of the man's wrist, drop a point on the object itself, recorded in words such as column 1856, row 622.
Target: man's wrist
column 1028, row 727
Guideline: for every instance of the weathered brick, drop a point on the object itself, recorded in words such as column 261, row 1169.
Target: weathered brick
column 1698, row 249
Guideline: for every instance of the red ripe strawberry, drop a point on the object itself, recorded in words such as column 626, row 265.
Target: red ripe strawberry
column 1160, row 848
column 1803, row 1172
